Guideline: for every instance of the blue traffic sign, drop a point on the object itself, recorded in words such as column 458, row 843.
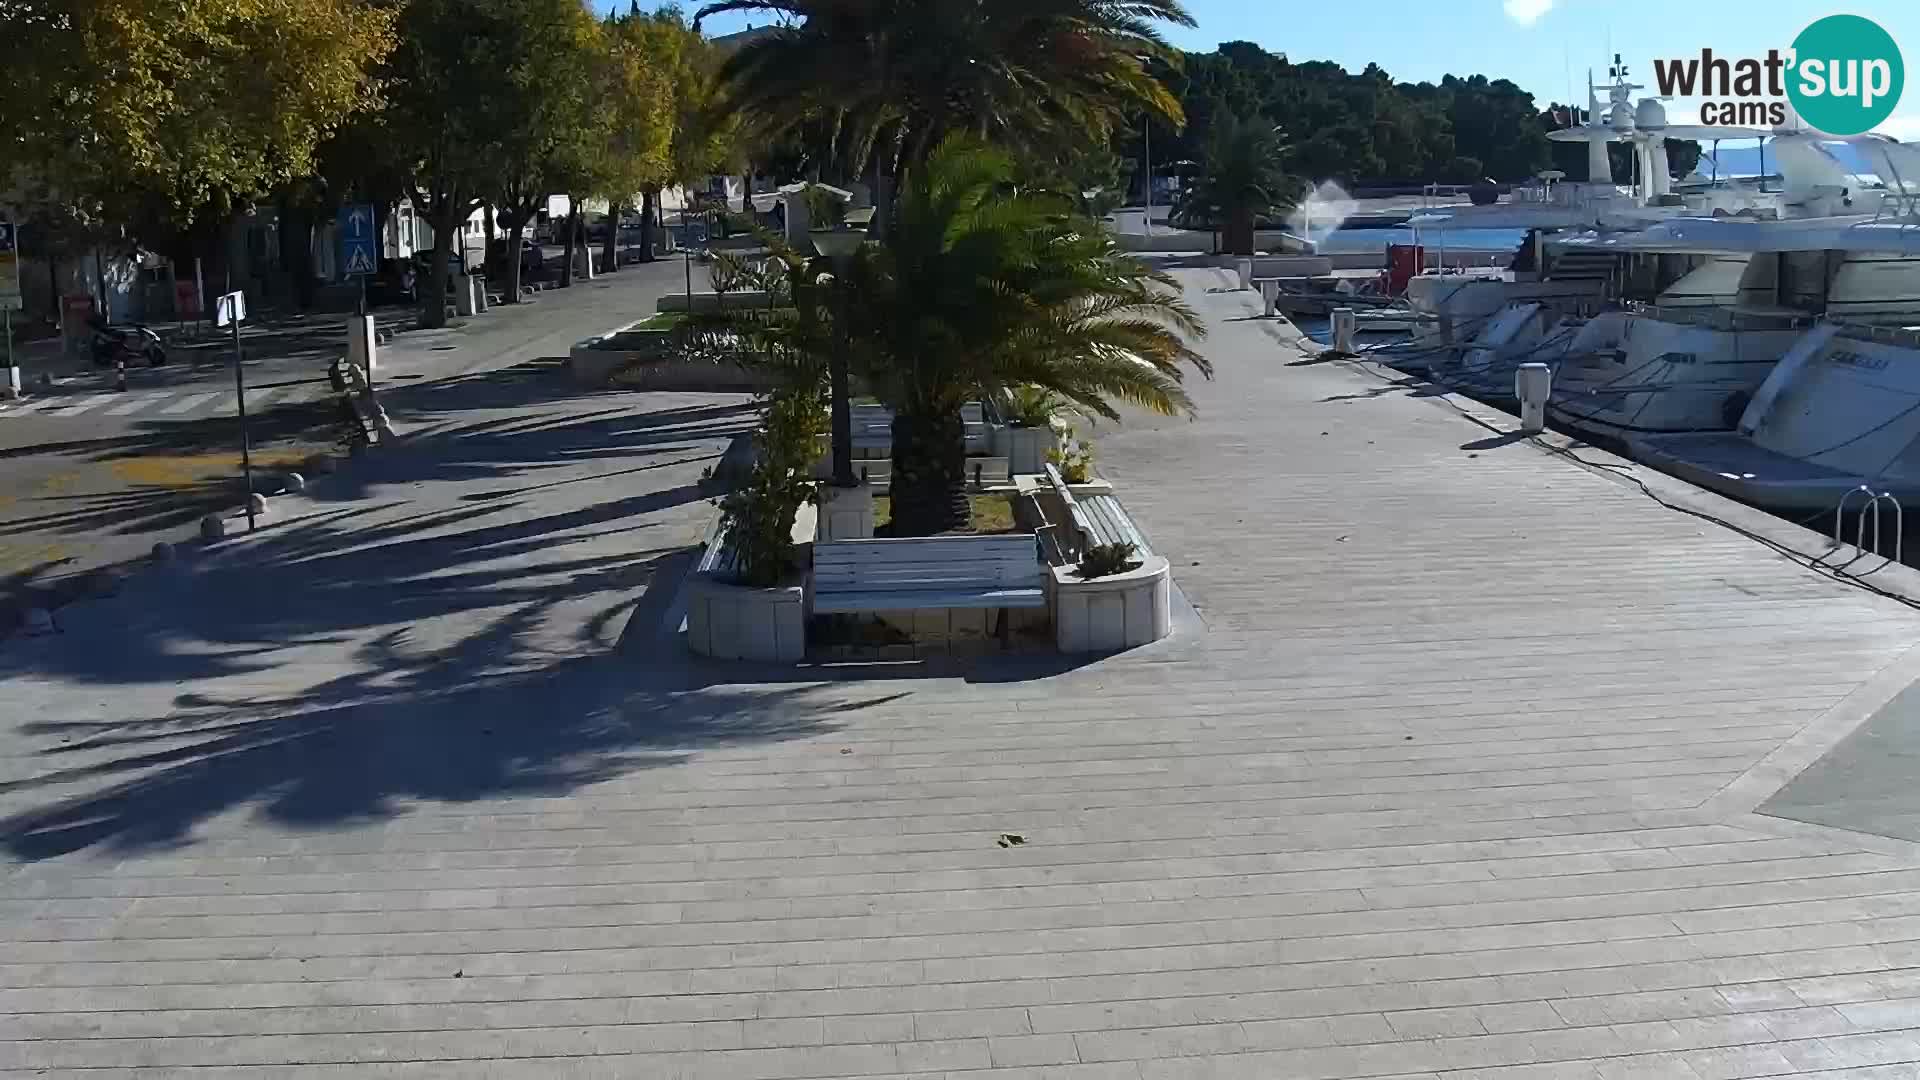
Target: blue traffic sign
column 359, row 248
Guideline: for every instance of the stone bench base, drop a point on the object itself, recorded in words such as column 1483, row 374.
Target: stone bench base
column 1109, row 614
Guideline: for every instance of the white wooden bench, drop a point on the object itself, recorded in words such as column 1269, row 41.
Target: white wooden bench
column 873, row 430
column 994, row 572
column 1097, row 519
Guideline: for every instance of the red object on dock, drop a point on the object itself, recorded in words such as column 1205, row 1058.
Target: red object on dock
column 1403, row 262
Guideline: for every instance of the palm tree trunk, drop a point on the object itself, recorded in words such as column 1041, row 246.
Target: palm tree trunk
column 515, row 236
column 929, row 485
column 649, row 203
column 613, row 236
column 1240, row 231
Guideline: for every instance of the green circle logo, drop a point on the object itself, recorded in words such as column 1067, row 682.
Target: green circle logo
column 1846, row 75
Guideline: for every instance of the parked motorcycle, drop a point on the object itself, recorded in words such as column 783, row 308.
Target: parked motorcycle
column 132, row 343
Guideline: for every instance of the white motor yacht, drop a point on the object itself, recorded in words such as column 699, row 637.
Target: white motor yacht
column 1841, row 409
column 1686, row 315
column 1460, row 302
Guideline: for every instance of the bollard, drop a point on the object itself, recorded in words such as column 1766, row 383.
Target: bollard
column 463, row 295
column 120, row 373
column 1533, row 385
column 1244, row 268
column 363, row 343
column 1343, row 328
column 213, row 527
column 163, row 552
column 1270, row 295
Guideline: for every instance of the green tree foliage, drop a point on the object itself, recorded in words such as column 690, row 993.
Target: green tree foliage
column 978, row 291
column 124, row 111
column 1017, row 71
column 640, row 71
column 1367, row 127
column 486, row 93
column 1242, row 179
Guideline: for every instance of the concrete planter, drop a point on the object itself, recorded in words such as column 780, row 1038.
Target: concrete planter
column 1025, row 448
column 845, row 513
column 736, row 622
column 1108, row 614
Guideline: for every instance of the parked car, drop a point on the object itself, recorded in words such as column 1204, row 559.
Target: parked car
column 532, row 258
column 393, row 284
column 423, row 264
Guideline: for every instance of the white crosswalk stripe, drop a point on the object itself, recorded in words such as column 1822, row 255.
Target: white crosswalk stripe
column 187, row 403
column 72, row 406
column 134, row 404
column 179, row 402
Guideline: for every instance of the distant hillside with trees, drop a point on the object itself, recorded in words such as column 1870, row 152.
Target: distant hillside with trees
column 1367, row 129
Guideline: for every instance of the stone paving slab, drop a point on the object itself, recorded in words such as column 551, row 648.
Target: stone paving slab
column 1455, row 782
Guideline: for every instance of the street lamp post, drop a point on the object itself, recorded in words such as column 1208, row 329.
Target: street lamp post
column 839, row 245
column 1147, row 222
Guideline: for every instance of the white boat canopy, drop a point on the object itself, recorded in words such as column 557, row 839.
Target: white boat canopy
column 1735, row 236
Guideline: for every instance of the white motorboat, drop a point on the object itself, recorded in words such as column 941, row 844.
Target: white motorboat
column 1841, row 409
column 1693, row 358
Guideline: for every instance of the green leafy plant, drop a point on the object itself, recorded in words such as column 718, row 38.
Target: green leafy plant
column 1074, row 458
column 729, row 271
column 825, row 210
column 759, row 513
column 979, row 287
column 1241, row 180
column 1032, row 406
column 1106, row 560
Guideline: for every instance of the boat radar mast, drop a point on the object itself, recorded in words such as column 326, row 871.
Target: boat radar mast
column 1644, row 126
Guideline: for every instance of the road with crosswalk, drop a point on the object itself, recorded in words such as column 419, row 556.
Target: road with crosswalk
column 91, row 475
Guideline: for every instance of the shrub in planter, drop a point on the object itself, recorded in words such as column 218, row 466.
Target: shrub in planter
column 1075, row 459
column 728, row 271
column 1032, row 406
column 759, row 513
column 1106, row 560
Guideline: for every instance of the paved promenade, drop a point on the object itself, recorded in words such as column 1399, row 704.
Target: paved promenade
column 1458, row 780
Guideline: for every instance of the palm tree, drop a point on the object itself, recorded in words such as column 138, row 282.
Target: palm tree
column 982, row 288
column 1015, row 70
column 1241, row 179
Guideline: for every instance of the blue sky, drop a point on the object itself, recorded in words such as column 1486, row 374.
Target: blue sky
column 1535, row 43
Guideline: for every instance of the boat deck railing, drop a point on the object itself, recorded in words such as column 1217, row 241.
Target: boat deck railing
column 1906, row 337
column 1722, row 318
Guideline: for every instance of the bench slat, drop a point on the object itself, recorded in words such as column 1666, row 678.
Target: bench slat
column 1111, row 525
column 928, row 572
column 832, row 603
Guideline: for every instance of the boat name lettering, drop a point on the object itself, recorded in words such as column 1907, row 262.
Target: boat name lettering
column 1866, row 361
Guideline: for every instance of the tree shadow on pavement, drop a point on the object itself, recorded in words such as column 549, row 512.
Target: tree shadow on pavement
column 436, row 625
column 350, row 756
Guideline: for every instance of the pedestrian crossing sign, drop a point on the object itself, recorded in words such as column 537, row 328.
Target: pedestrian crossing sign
column 358, row 255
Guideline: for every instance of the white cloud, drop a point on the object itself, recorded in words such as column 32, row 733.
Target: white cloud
column 1527, row 12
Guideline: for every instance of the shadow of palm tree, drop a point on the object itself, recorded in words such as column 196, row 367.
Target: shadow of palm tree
column 376, row 655
column 330, row 759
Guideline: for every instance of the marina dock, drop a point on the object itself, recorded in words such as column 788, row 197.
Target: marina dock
column 1475, row 757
